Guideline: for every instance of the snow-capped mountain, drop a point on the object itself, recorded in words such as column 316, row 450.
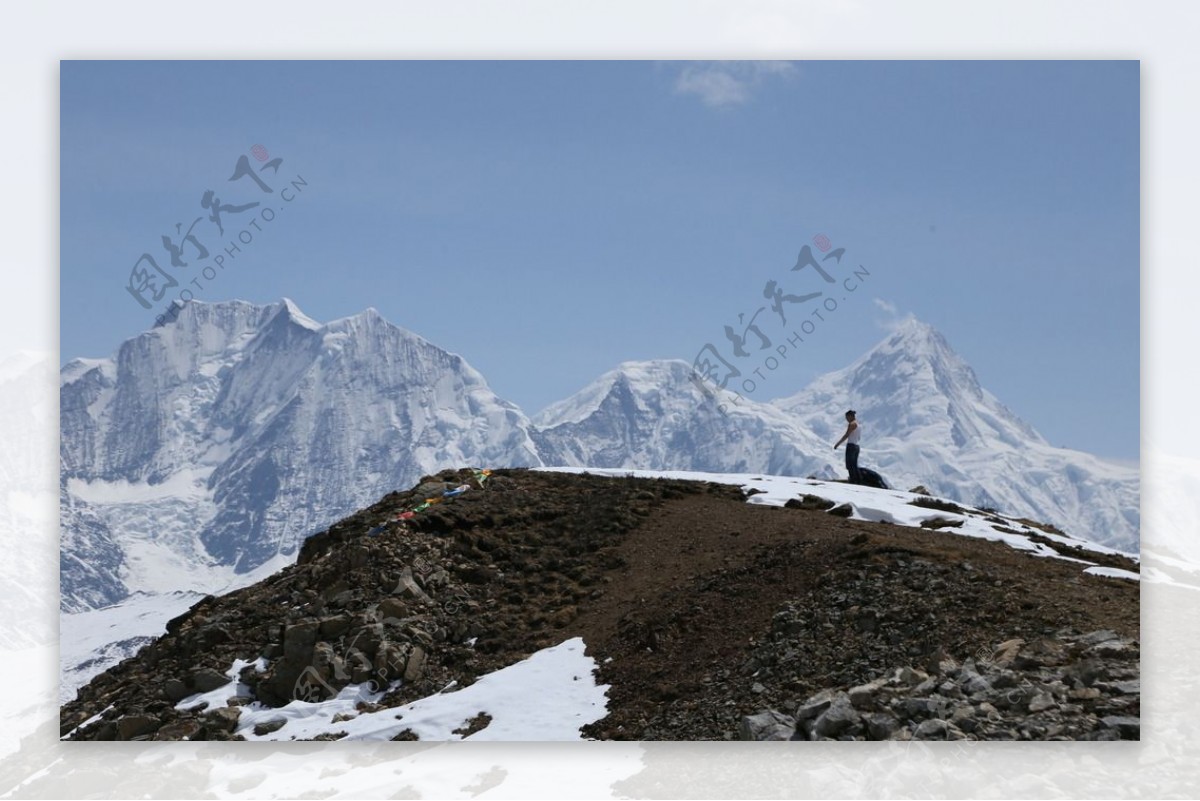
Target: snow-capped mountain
column 200, row 456
column 926, row 420
column 652, row 415
column 90, row 560
column 210, row 446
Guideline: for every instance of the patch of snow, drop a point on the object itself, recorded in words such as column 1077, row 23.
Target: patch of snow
column 548, row 696
column 186, row 483
column 215, row 699
column 1113, row 572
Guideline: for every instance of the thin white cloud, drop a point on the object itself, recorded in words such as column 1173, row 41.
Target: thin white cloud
column 892, row 318
column 885, row 305
column 719, row 84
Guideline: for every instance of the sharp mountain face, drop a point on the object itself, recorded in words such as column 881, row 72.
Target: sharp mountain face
column 213, row 444
column 651, row 415
column 90, row 560
column 926, row 420
column 914, row 386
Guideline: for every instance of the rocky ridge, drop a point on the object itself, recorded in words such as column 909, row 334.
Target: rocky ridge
column 700, row 609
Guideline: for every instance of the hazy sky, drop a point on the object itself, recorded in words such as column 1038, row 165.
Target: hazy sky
column 549, row 220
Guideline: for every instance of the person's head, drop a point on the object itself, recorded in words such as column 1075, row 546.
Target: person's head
column 850, row 415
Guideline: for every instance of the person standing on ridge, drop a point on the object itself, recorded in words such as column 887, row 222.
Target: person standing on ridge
column 853, row 430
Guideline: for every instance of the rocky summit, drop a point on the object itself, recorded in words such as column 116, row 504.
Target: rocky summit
column 709, row 619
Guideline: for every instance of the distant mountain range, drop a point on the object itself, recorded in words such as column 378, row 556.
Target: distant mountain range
column 205, row 451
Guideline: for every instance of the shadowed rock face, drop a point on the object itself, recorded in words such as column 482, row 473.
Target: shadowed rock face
column 710, row 608
column 246, row 428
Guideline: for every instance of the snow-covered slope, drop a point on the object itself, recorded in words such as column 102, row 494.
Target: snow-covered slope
column 651, row 415
column 94, row 640
column 926, row 420
column 215, row 443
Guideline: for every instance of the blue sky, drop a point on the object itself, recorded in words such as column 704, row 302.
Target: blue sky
column 548, row 220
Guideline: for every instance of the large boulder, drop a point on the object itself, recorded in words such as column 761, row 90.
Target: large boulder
column 840, row 718
column 768, row 725
column 131, row 726
column 206, row 680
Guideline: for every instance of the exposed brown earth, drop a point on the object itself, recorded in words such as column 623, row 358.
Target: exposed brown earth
column 700, row 608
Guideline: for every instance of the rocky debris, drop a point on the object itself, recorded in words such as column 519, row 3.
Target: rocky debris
column 839, row 719
column 711, row 609
column 223, row 720
column 206, row 680
column 467, row 586
column 180, row 730
column 477, row 723
column 268, row 726
column 133, row 727
column 769, row 725
column 940, row 522
column 809, row 501
column 937, row 503
column 408, row 588
column 806, row 601
column 1129, row 727
column 175, row 690
column 1069, row 687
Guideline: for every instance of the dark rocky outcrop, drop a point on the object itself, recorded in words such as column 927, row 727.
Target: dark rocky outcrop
column 710, row 618
column 1065, row 687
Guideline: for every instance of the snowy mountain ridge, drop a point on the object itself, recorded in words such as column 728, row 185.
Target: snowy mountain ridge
column 212, row 445
column 225, row 437
column 652, row 415
column 928, row 421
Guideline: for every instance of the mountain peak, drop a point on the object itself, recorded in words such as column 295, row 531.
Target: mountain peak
column 642, row 378
column 289, row 310
column 918, row 338
column 912, row 381
column 915, row 347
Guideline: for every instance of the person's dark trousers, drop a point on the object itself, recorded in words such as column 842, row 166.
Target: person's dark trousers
column 852, row 462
